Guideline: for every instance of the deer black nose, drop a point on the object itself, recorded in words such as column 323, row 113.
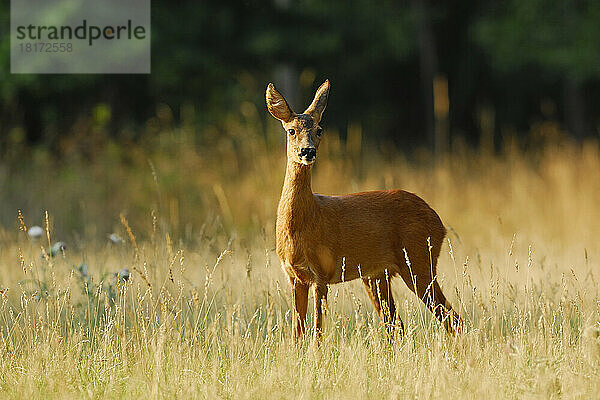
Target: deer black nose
column 308, row 152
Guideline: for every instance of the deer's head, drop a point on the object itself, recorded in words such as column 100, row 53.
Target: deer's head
column 303, row 130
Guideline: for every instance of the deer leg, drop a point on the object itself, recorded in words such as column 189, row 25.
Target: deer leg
column 429, row 291
column 443, row 311
column 320, row 308
column 300, row 300
column 380, row 293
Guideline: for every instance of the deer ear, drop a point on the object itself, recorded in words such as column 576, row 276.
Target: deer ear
column 277, row 105
column 319, row 102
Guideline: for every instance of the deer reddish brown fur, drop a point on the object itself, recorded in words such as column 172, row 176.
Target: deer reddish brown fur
column 375, row 235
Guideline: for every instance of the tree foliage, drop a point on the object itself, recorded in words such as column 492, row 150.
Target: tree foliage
column 214, row 55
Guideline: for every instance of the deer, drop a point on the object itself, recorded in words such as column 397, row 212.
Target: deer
column 373, row 236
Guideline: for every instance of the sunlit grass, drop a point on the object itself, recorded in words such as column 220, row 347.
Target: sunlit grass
column 206, row 309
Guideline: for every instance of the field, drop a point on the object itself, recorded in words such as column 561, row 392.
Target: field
column 205, row 312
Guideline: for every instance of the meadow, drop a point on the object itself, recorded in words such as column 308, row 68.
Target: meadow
column 205, row 311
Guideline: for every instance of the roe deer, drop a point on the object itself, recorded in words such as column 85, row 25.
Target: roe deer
column 375, row 235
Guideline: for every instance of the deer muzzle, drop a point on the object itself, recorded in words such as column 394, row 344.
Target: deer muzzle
column 308, row 155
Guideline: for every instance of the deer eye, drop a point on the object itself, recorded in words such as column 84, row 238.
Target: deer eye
column 319, row 132
column 291, row 132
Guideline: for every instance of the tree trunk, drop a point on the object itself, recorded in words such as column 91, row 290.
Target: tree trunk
column 428, row 68
column 574, row 109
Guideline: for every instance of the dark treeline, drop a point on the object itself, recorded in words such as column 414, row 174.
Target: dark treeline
column 412, row 72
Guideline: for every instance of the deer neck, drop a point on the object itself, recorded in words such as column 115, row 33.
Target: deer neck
column 297, row 203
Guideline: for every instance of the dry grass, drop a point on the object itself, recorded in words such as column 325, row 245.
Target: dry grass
column 206, row 310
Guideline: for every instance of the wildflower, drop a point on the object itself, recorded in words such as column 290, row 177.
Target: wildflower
column 58, row 247
column 35, row 232
column 123, row 275
column 115, row 239
column 83, row 270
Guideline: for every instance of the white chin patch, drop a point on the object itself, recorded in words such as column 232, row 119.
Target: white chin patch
column 306, row 162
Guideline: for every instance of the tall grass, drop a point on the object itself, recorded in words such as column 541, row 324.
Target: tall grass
column 206, row 309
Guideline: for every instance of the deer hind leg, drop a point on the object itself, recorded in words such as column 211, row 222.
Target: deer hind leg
column 380, row 293
column 320, row 308
column 300, row 300
column 429, row 291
